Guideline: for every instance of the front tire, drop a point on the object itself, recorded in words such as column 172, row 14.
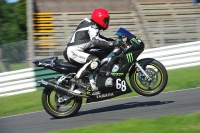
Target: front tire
column 64, row 109
column 159, row 76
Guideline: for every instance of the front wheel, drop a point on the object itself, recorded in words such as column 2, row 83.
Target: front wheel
column 158, row 82
column 59, row 105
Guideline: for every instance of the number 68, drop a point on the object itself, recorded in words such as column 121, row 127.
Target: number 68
column 121, row 84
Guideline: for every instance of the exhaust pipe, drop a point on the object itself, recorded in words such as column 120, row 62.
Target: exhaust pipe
column 59, row 88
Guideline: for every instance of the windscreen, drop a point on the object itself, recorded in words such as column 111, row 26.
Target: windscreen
column 124, row 32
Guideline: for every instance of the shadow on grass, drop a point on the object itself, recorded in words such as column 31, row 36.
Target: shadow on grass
column 123, row 106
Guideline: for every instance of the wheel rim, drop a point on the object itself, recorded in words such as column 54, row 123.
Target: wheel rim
column 59, row 107
column 157, row 79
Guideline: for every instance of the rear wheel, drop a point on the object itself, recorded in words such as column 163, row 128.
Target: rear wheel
column 158, row 82
column 58, row 105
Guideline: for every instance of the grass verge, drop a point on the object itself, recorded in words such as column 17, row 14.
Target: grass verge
column 168, row 124
column 22, row 103
column 29, row 102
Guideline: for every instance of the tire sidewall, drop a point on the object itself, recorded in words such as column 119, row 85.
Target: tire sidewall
column 72, row 112
column 160, row 89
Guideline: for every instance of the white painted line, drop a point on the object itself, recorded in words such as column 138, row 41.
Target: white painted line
column 22, row 114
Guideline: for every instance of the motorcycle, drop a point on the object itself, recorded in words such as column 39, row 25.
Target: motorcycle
column 119, row 73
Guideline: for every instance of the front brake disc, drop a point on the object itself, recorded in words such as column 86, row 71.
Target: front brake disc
column 152, row 74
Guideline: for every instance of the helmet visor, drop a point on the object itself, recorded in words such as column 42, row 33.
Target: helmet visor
column 106, row 20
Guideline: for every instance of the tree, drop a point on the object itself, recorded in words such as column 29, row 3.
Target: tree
column 12, row 21
column 2, row 3
column 21, row 18
column 12, row 29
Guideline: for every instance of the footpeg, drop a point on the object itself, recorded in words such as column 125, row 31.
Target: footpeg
column 79, row 91
column 96, row 93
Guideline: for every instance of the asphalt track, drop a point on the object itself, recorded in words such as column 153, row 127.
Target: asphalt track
column 171, row 103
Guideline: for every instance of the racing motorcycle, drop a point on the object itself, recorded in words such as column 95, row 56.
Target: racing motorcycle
column 119, row 73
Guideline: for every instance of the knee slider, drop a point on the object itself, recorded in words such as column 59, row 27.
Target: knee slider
column 95, row 63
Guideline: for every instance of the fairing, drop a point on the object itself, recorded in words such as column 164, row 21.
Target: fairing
column 125, row 61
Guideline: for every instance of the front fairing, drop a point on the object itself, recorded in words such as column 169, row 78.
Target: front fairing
column 125, row 61
column 133, row 43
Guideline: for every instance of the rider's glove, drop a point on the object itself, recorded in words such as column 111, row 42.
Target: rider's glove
column 110, row 45
column 110, row 39
column 118, row 42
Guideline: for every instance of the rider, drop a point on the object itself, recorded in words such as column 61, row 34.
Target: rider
column 87, row 35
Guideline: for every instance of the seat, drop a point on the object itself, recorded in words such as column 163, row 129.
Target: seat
column 69, row 65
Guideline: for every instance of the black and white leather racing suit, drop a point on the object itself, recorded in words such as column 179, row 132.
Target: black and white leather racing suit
column 86, row 36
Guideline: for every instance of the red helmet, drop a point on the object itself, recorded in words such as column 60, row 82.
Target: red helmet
column 101, row 17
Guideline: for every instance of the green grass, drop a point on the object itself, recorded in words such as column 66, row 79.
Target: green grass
column 168, row 124
column 23, row 103
column 183, row 78
column 18, row 66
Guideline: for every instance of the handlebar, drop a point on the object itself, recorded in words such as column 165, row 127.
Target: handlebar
column 120, row 43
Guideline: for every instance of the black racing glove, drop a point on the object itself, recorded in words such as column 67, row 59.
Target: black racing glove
column 110, row 44
column 107, row 39
column 117, row 42
column 110, row 39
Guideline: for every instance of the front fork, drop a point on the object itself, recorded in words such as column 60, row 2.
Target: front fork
column 143, row 71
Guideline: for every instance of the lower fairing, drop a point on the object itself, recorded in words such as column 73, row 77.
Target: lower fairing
column 108, row 95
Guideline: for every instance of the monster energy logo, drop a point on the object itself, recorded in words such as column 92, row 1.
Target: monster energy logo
column 129, row 57
column 117, row 74
column 136, row 40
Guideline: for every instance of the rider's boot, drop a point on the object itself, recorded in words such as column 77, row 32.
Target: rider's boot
column 80, row 83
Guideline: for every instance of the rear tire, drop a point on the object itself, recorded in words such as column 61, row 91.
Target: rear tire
column 56, row 109
column 159, row 76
